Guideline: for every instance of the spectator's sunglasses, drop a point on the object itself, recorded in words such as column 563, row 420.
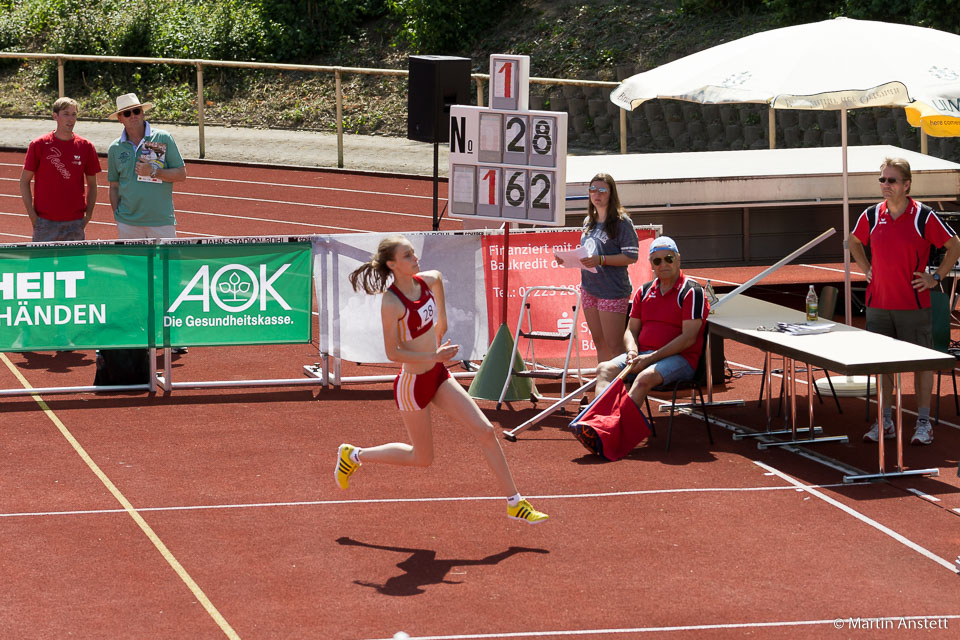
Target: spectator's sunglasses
column 669, row 258
column 881, row 179
column 593, row 189
column 132, row 112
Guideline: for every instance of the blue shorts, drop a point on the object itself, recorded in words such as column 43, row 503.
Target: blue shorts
column 672, row 368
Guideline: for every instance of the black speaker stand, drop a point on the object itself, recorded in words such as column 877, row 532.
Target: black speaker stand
column 436, row 184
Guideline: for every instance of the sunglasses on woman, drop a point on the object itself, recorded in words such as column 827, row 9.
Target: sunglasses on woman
column 888, row 180
column 132, row 112
column 594, row 189
column 668, row 258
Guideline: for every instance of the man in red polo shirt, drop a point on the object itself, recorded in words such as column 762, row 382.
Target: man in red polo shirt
column 664, row 337
column 63, row 168
column 899, row 232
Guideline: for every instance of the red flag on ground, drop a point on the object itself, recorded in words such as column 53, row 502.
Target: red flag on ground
column 612, row 425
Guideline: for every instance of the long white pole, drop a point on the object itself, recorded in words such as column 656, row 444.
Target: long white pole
column 763, row 274
column 847, row 302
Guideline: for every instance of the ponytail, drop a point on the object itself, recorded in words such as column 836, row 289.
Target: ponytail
column 372, row 276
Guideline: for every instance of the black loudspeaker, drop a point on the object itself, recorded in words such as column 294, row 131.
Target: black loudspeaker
column 435, row 83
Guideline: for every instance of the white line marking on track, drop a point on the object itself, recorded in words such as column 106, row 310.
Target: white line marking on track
column 862, row 518
column 844, row 622
column 284, row 185
column 925, row 496
column 304, row 204
column 315, row 187
column 715, row 280
column 853, row 272
column 272, row 221
column 310, row 503
column 127, row 507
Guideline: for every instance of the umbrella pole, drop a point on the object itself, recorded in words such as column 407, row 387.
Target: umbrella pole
column 847, row 302
column 845, row 385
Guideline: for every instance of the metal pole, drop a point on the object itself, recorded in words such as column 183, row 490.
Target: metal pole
column 772, row 127
column 479, row 92
column 339, row 121
column 200, row 107
column 436, row 183
column 623, row 130
column 924, row 144
column 60, row 84
column 847, row 303
column 506, row 271
column 763, row 274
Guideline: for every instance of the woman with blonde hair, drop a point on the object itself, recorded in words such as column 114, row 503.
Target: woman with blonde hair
column 414, row 321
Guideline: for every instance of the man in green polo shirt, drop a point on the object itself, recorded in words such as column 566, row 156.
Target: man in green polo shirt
column 142, row 165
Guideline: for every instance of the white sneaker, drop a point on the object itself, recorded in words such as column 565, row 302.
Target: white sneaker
column 923, row 434
column 873, row 435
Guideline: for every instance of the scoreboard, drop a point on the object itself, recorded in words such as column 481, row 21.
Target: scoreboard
column 508, row 163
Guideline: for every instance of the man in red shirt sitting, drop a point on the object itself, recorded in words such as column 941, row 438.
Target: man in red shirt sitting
column 664, row 336
column 899, row 232
column 60, row 164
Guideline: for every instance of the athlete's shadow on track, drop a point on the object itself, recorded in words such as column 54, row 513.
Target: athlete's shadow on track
column 423, row 568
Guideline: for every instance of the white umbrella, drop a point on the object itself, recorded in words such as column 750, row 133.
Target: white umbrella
column 836, row 65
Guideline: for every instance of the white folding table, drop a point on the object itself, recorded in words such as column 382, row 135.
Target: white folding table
column 844, row 350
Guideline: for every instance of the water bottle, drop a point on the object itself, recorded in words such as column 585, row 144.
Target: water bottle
column 711, row 296
column 812, row 305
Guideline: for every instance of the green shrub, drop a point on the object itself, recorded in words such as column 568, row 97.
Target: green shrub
column 444, row 26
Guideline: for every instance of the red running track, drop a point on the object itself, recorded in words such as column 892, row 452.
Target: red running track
column 213, row 513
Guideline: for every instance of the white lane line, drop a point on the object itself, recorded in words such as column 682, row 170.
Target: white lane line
column 862, row 518
column 346, row 208
column 271, row 221
column 849, row 623
column 853, row 272
column 311, row 225
column 128, row 508
column 281, row 185
column 315, row 187
column 310, row 503
column 925, row 496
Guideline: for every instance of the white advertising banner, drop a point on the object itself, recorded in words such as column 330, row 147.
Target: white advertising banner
column 349, row 323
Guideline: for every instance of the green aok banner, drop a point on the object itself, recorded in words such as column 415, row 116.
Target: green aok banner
column 138, row 295
column 235, row 294
column 76, row 297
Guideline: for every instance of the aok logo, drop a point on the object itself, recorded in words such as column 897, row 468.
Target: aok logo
column 233, row 288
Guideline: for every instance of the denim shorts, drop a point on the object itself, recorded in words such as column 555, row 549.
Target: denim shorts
column 672, row 368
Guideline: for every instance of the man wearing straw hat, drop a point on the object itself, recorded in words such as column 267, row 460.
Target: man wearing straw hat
column 142, row 165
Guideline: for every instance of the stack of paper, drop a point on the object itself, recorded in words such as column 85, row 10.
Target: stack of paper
column 804, row 329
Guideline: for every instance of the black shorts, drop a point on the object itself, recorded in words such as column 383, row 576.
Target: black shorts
column 910, row 325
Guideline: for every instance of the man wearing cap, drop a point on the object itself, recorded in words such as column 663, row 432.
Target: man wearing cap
column 142, row 165
column 664, row 336
column 63, row 168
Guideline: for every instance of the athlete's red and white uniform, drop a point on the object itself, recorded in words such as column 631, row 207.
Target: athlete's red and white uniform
column 414, row 391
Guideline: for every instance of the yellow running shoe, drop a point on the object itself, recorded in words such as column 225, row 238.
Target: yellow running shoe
column 345, row 466
column 525, row 511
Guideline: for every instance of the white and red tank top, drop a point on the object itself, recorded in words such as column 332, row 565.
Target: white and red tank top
column 419, row 314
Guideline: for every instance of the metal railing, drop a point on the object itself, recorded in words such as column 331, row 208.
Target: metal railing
column 480, row 78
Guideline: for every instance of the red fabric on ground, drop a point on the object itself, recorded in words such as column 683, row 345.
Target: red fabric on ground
column 617, row 421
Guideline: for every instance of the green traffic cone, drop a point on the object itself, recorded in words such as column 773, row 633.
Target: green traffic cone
column 488, row 383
